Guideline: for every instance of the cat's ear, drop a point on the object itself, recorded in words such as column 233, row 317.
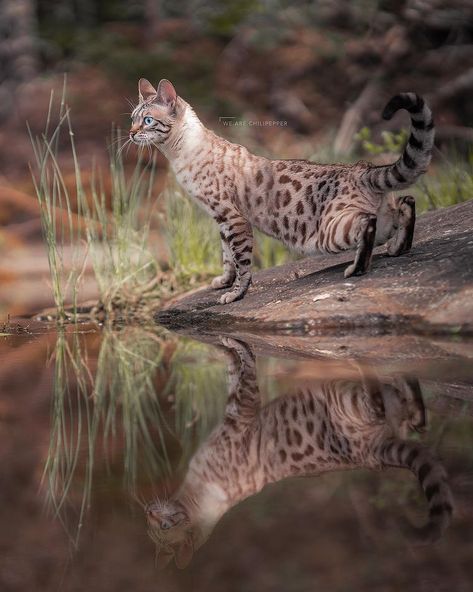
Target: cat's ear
column 163, row 557
column 167, row 95
column 146, row 90
column 183, row 552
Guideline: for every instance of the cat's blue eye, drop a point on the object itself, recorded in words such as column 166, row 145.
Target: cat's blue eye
column 148, row 120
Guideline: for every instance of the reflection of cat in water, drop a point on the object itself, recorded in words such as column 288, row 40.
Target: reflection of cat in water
column 334, row 425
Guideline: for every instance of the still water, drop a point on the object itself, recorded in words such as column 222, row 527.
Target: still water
column 143, row 459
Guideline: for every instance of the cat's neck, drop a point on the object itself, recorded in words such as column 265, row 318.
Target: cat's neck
column 205, row 502
column 188, row 138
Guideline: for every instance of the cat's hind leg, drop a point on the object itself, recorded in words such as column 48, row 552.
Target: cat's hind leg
column 363, row 232
column 401, row 241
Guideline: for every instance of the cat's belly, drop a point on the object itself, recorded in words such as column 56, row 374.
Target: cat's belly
column 323, row 234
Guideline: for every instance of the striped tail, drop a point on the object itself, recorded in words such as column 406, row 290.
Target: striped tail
column 433, row 480
column 417, row 153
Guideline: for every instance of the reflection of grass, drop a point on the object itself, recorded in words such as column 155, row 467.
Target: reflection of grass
column 70, row 418
column 118, row 412
column 198, row 387
column 126, row 370
column 118, row 405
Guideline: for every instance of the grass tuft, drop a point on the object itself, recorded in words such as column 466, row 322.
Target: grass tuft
column 60, row 234
column 447, row 184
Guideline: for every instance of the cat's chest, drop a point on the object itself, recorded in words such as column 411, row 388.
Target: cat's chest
column 202, row 185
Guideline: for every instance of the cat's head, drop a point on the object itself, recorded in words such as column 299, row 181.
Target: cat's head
column 170, row 527
column 155, row 115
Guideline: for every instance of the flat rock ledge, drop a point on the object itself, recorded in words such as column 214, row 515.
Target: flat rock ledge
column 427, row 291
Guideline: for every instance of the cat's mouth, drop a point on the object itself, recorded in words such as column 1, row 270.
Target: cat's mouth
column 140, row 140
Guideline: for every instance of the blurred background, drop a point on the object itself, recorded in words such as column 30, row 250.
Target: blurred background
column 319, row 72
column 86, row 412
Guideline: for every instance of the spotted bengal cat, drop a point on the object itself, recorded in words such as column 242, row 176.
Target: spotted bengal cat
column 309, row 207
column 331, row 426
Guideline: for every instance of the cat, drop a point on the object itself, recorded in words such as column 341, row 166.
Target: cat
column 331, row 426
column 309, row 207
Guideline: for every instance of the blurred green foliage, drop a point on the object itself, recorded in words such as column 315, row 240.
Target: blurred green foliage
column 391, row 141
column 447, row 183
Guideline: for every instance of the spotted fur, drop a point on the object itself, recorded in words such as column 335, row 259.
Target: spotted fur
column 309, row 207
column 331, row 426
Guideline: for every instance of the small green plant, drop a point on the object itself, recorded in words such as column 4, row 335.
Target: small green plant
column 127, row 272
column 269, row 252
column 192, row 237
column 448, row 183
column 392, row 142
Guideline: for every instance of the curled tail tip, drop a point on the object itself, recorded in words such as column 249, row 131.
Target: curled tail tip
column 410, row 101
column 428, row 534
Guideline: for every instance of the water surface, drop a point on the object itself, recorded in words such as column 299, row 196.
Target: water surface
column 96, row 424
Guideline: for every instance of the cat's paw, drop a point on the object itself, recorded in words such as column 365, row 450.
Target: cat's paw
column 235, row 345
column 350, row 270
column 222, row 281
column 238, row 351
column 354, row 269
column 228, row 342
column 231, row 296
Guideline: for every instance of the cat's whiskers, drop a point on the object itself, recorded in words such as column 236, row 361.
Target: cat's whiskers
column 120, row 150
column 132, row 104
column 114, row 143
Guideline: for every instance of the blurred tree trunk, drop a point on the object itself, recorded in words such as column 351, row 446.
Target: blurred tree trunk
column 18, row 47
column 17, row 39
column 86, row 11
column 152, row 11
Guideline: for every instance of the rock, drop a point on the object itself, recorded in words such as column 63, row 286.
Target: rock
column 428, row 291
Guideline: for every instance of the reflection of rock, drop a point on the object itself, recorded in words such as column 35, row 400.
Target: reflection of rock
column 329, row 425
column 425, row 291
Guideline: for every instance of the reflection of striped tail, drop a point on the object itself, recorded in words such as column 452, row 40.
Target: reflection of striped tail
column 417, row 153
column 433, row 480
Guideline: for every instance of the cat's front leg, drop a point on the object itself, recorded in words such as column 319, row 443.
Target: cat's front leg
column 243, row 394
column 229, row 272
column 238, row 238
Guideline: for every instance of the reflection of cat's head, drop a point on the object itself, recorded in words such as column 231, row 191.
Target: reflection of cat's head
column 170, row 528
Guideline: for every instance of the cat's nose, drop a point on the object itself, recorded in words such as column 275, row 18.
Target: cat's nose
column 135, row 128
column 152, row 514
column 164, row 524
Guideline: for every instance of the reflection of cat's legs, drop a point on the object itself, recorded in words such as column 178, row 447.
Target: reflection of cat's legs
column 415, row 413
column 243, row 393
column 399, row 400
